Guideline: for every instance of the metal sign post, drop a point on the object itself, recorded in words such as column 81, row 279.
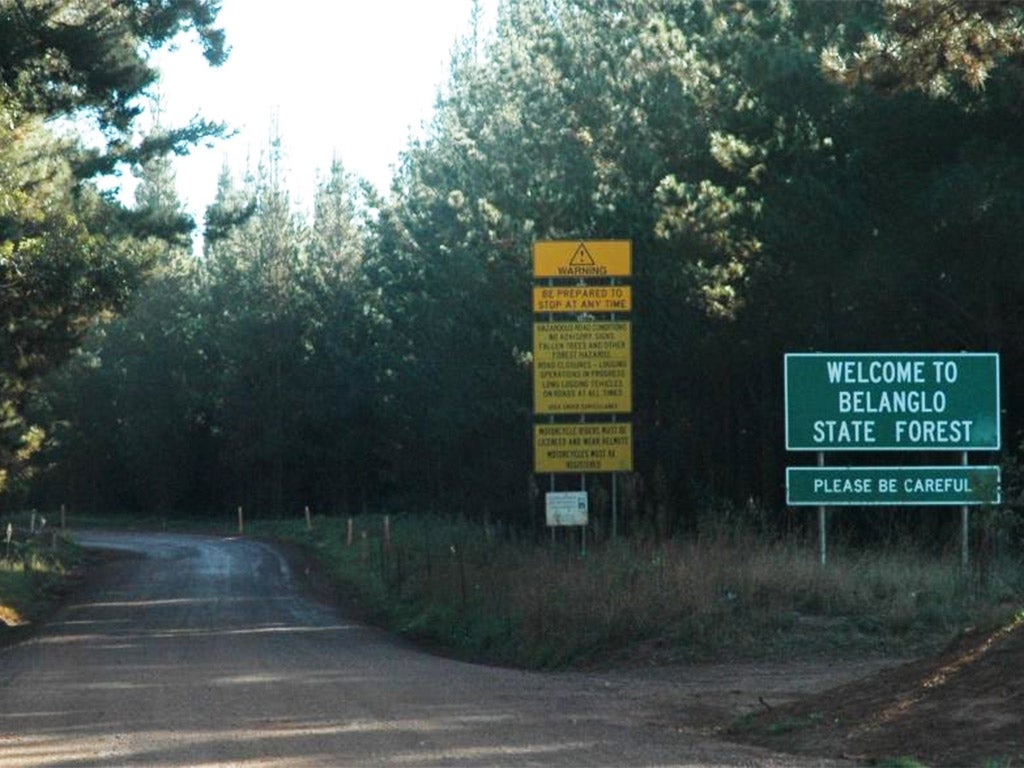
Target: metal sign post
column 888, row 401
column 965, row 519
column 582, row 365
column 822, row 522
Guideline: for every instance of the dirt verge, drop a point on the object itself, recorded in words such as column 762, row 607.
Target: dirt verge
column 95, row 566
column 963, row 707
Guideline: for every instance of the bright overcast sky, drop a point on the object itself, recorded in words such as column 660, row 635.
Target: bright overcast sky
column 352, row 78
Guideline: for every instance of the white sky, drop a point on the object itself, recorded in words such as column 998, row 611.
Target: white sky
column 346, row 78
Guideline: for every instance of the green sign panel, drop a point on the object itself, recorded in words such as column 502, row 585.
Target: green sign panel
column 892, row 486
column 892, row 402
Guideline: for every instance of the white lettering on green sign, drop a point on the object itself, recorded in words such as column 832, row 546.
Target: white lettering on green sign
column 893, row 486
column 912, row 401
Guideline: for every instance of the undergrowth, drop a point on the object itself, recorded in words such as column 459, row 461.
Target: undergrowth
column 459, row 587
column 34, row 568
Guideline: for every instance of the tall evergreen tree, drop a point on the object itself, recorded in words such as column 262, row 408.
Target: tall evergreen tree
column 67, row 254
column 383, row 345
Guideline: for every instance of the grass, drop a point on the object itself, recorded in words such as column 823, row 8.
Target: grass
column 34, row 569
column 226, row 525
column 507, row 601
column 791, row 724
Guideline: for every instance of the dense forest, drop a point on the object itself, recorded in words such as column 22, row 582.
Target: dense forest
column 794, row 175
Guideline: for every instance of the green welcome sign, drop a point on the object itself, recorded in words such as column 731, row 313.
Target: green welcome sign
column 892, row 402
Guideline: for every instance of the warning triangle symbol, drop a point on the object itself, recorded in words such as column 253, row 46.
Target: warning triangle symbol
column 581, row 257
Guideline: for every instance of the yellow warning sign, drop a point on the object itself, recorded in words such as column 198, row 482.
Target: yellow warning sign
column 580, row 299
column 582, row 448
column 583, row 258
column 582, row 368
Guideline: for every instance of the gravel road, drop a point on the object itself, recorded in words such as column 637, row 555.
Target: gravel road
column 199, row 651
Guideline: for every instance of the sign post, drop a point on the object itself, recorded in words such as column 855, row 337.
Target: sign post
column 582, row 363
column 822, row 522
column 568, row 508
column 965, row 528
column 893, row 402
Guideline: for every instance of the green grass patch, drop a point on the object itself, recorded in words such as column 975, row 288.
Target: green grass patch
column 34, row 571
column 212, row 525
column 793, row 724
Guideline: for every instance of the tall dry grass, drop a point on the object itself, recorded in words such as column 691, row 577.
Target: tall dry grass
column 460, row 586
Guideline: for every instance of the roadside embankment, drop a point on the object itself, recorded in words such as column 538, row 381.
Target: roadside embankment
column 487, row 595
column 36, row 568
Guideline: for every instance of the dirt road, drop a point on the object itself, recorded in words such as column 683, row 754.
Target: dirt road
column 198, row 651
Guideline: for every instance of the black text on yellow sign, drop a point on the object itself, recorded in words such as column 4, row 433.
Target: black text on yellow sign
column 581, row 299
column 582, row 368
column 583, row 258
column 559, row 448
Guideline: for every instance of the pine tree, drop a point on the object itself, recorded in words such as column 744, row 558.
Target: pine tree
column 67, row 254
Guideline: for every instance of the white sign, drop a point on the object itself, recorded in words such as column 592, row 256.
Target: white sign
column 566, row 507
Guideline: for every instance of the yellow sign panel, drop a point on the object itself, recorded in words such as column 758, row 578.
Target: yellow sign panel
column 583, row 258
column 578, row 299
column 582, row 448
column 582, row 368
